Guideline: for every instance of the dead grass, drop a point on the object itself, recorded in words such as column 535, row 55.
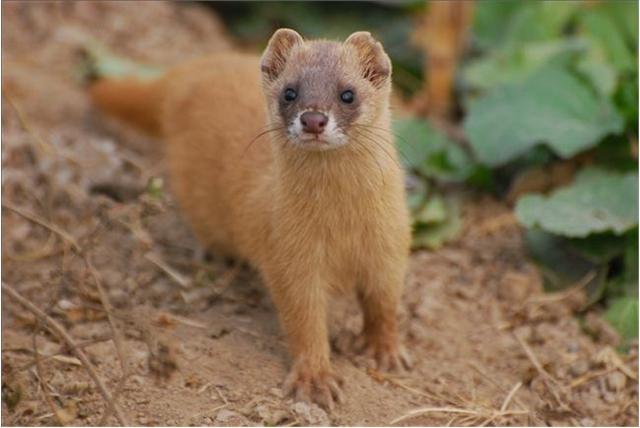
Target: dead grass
column 111, row 315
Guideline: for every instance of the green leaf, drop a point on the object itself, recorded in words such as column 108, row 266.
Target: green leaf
column 540, row 20
column 518, row 62
column 497, row 23
column 600, row 72
column 623, row 316
column 551, row 107
column 433, row 211
column 100, row 62
column 417, row 190
column 430, row 153
column 489, row 19
column 434, row 235
column 597, row 201
column 607, row 35
column 155, row 187
column 413, row 139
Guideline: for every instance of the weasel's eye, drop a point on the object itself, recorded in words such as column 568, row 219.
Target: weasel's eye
column 347, row 97
column 290, row 94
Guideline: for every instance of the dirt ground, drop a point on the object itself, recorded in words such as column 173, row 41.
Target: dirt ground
column 193, row 342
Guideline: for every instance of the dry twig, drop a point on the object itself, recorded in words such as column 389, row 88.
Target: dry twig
column 172, row 273
column 43, row 384
column 52, row 227
column 477, row 413
column 53, row 326
column 546, row 376
column 118, row 339
column 534, row 360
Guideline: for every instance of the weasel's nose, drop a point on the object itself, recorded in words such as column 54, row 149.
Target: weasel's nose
column 313, row 122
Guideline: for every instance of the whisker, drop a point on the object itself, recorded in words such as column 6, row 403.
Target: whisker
column 368, row 150
column 246, row 149
column 386, row 153
column 371, row 138
column 389, row 141
column 387, row 130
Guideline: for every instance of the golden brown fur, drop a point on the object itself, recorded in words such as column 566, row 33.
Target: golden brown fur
column 312, row 222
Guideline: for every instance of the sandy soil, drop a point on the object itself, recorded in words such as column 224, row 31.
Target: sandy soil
column 198, row 340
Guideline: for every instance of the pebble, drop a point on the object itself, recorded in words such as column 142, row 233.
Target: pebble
column 230, row 418
column 578, row 368
column 586, row 422
column 311, row 414
column 616, row 381
column 270, row 417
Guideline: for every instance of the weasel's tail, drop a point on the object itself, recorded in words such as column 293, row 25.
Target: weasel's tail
column 122, row 88
column 130, row 99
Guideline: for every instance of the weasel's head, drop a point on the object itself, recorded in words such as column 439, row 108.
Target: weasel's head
column 321, row 92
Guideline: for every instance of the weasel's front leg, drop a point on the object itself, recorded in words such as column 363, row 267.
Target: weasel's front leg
column 379, row 297
column 302, row 306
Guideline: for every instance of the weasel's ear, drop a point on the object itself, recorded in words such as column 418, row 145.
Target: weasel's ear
column 375, row 64
column 277, row 52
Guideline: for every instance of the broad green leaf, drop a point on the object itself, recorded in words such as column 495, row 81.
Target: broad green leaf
column 430, row 153
column 625, row 15
column 599, row 71
column 607, row 35
column 540, row 20
column 489, row 27
column 597, row 201
column 623, row 316
column 506, row 22
column 551, row 107
column 517, row 63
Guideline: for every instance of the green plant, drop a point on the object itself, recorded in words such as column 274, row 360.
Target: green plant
column 563, row 76
column 432, row 158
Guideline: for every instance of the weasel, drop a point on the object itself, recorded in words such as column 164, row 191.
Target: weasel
column 318, row 207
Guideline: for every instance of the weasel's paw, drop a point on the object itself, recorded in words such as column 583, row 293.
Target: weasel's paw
column 321, row 386
column 388, row 355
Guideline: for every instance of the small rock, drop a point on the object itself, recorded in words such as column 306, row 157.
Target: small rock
column 579, row 368
column 310, row 413
column 586, row 422
column 277, row 392
column 616, row 381
column 224, row 415
column 573, row 347
column 270, row 417
column 230, row 418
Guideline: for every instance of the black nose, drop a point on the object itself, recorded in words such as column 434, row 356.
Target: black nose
column 313, row 122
